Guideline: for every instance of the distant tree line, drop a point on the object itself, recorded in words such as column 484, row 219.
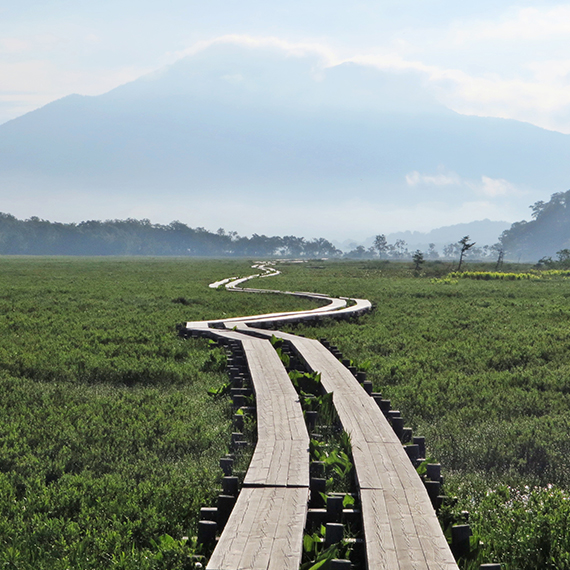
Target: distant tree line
column 399, row 251
column 35, row 236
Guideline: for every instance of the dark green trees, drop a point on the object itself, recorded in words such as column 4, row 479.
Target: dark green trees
column 547, row 233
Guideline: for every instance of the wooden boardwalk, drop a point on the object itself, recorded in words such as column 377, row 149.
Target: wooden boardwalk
column 401, row 530
column 265, row 528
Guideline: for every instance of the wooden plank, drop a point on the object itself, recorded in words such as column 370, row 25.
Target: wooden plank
column 285, row 549
column 281, row 456
column 279, row 463
column 264, row 531
column 381, row 552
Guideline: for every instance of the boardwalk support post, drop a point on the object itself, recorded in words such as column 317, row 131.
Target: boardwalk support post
column 421, row 442
column 334, row 508
column 413, row 452
column 206, row 532
column 334, row 533
column 318, row 487
column 209, row 514
column 398, row 427
column 311, row 419
column 230, row 486
column 226, row 465
column 433, row 489
column 225, row 505
column 238, row 422
column 433, row 471
column 460, row 534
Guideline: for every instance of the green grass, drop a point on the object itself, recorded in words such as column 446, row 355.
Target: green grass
column 108, row 439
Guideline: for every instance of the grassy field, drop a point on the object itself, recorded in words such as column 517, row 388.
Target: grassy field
column 108, row 440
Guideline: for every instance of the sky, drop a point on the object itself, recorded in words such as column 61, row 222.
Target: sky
column 498, row 59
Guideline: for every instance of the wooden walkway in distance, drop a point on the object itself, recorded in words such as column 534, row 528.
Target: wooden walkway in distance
column 265, row 528
column 401, row 530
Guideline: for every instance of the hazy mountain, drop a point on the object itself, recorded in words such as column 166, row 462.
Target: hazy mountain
column 274, row 142
column 483, row 232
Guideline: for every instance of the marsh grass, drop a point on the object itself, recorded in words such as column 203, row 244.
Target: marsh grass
column 109, row 441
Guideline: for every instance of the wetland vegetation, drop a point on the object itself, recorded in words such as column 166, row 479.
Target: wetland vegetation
column 109, row 441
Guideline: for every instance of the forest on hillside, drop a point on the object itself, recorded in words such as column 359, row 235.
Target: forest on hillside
column 545, row 235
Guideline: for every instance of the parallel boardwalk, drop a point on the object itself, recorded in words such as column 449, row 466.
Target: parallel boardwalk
column 401, row 530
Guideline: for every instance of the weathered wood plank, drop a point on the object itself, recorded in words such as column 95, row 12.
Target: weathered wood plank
column 281, row 456
column 264, row 531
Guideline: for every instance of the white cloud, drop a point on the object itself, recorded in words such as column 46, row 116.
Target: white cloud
column 92, row 38
column 28, row 44
column 13, row 45
column 494, row 187
column 415, row 178
column 513, row 67
column 233, row 78
column 487, row 186
column 542, row 100
column 297, row 49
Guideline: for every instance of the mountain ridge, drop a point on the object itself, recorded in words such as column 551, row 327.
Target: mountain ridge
column 190, row 139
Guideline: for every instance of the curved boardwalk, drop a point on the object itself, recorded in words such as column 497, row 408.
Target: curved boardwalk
column 401, row 530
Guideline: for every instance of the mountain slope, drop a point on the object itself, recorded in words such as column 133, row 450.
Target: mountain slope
column 237, row 119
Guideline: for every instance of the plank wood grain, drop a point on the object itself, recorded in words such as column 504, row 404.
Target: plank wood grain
column 264, row 531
